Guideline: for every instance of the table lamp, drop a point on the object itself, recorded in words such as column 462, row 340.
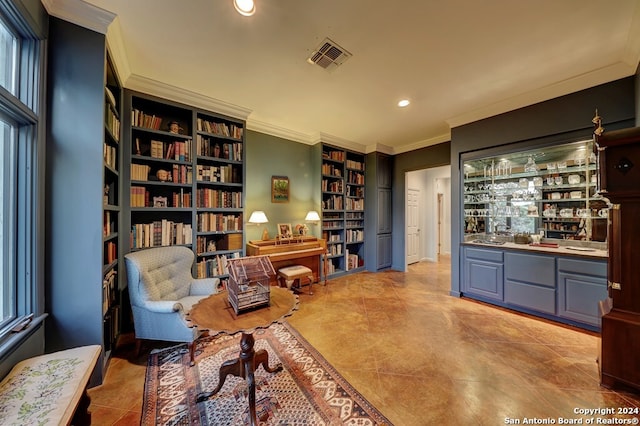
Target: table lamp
column 312, row 217
column 258, row 217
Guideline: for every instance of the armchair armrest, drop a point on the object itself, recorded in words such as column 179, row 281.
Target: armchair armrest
column 204, row 286
column 164, row 306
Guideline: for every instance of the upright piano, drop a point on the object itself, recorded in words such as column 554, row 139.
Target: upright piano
column 305, row 250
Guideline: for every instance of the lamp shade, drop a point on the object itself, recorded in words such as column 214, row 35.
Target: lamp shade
column 312, row 216
column 258, row 217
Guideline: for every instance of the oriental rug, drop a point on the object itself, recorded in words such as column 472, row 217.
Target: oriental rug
column 308, row 390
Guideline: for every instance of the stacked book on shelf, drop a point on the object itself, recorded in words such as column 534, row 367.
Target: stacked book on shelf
column 109, row 289
column 218, row 222
column 222, row 174
column 178, row 150
column 353, row 260
column 216, row 198
column 160, row 233
column 215, row 149
column 148, row 121
column 215, row 265
column 331, row 170
column 110, row 155
column 220, row 129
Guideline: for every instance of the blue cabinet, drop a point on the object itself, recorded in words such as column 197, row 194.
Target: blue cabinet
column 484, row 273
column 581, row 284
column 530, row 281
column 562, row 288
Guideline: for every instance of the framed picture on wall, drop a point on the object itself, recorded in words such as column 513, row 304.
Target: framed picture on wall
column 279, row 189
column 284, row 230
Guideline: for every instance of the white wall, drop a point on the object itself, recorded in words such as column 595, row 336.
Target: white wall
column 430, row 182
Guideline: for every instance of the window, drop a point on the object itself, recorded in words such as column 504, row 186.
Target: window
column 21, row 178
column 8, row 58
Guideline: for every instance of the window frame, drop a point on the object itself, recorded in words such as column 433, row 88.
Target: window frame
column 25, row 110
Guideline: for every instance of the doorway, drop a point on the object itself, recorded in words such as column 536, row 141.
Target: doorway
column 428, row 199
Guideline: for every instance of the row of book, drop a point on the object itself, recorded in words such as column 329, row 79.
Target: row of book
column 353, row 261
column 110, row 253
column 180, row 173
column 109, row 290
column 334, row 186
column 215, row 266
column 334, row 249
column 331, row 224
column 334, row 155
column 355, row 191
column 220, row 129
column 331, row 170
column 160, row 233
column 355, row 223
column 109, row 223
column 110, row 155
column 354, row 235
column 225, row 150
column 141, row 197
column 216, row 222
column 223, row 174
column 216, row 198
column 356, row 165
column 148, row 121
column 354, row 204
column 112, row 122
column 355, row 177
column 334, row 202
column 178, row 150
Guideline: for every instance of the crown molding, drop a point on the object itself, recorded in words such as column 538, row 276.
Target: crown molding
column 177, row 94
column 574, row 84
column 445, row 137
column 339, row 142
column 80, row 13
column 281, row 132
column 117, row 50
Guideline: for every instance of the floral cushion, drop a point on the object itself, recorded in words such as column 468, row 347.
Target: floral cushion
column 46, row 389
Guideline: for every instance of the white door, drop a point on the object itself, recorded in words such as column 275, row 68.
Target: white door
column 413, row 230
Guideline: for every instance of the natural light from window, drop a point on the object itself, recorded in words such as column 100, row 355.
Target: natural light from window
column 8, row 58
column 7, row 201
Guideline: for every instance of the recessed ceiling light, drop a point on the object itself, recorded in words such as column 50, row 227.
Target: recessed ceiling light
column 403, row 103
column 245, row 7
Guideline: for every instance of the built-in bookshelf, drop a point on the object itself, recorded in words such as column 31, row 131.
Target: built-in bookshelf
column 111, row 209
column 219, row 180
column 185, row 181
column 343, row 188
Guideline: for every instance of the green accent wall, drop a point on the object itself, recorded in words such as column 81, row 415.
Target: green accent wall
column 268, row 156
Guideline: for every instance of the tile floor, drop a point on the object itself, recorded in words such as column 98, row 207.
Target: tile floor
column 422, row 357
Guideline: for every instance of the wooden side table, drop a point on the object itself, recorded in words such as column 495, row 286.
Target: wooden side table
column 217, row 314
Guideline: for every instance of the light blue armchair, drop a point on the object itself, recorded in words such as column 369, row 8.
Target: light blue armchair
column 162, row 290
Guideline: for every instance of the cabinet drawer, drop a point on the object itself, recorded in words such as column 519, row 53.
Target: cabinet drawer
column 530, row 268
column 583, row 267
column 484, row 254
column 538, row 298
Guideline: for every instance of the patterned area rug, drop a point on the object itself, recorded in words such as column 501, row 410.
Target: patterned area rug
column 308, row 391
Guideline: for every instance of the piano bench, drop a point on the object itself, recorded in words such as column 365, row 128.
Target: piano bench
column 295, row 272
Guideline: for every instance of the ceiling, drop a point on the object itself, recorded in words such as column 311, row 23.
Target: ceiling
column 457, row 60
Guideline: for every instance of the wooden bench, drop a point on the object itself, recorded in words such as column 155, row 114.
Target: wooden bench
column 49, row 389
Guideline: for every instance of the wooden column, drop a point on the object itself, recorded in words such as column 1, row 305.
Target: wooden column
column 619, row 173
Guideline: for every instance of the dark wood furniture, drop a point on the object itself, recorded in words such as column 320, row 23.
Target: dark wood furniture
column 216, row 314
column 619, row 162
column 306, row 251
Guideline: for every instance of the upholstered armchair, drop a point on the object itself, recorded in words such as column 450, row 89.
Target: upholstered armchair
column 162, row 291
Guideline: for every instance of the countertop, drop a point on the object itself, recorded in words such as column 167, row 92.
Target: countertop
column 562, row 250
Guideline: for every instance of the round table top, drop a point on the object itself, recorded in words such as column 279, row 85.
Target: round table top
column 216, row 314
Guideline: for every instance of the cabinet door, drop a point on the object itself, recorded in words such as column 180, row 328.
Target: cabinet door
column 484, row 273
column 581, row 284
column 384, row 251
column 384, row 171
column 384, row 211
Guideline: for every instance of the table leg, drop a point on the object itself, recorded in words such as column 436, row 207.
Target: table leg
column 244, row 367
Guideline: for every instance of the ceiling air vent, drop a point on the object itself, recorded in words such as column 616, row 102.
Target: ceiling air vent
column 328, row 55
